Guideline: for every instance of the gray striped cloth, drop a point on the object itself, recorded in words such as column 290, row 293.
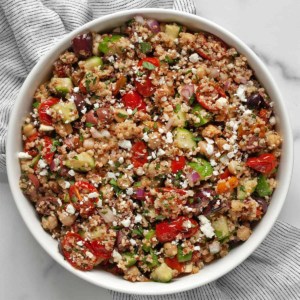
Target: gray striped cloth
column 28, row 28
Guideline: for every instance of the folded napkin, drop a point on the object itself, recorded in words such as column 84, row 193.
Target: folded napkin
column 272, row 272
column 28, row 29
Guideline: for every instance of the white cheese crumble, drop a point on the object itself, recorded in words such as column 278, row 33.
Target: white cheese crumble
column 221, row 102
column 67, row 184
column 160, row 152
column 126, row 222
column 129, row 191
column 42, row 164
column 214, row 247
column 80, row 243
column 116, row 255
column 121, row 160
column 76, row 89
column 194, row 58
column 206, row 227
column 70, row 209
column 93, row 195
column 71, row 173
column 43, row 172
column 241, row 93
column 89, row 254
column 125, row 144
column 226, row 147
column 209, row 149
column 99, row 203
column 24, row 155
column 169, row 138
column 46, row 128
column 138, row 218
column 111, row 175
column 132, row 242
column 197, row 248
column 145, row 137
column 272, row 120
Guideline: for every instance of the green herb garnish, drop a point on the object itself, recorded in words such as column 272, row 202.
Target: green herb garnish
column 148, row 65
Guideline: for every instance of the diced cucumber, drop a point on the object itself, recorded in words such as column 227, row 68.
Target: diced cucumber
column 35, row 160
column 106, row 46
column 263, row 188
column 221, row 228
column 129, row 259
column 202, row 167
column 149, row 235
column 183, row 257
column 93, row 62
column 67, row 111
column 83, row 162
column 154, row 262
column 163, row 273
column 172, row 31
column 202, row 114
column 246, row 188
column 184, row 139
column 179, row 119
column 62, row 86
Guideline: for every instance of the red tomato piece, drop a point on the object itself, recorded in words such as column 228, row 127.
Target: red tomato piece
column 208, row 97
column 178, row 164
column 145, row 87
column 173, row 263
column 42, row 110
column 35, row 181
column 47, row 150
column 76, row 193
column 152, row 60
column 170, row 189
column 225, row 174
column 167, row 231
column 264, row 163
column 27, row 148
column 100, row 251
column 133, row 100
column 78, row 252
column 203, row 54
column 139, row 154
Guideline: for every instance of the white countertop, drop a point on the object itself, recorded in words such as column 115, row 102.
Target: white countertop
column 271, row 29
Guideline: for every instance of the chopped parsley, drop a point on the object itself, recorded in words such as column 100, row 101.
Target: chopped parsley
column 89, row 125
column 148, row 65
column 145, row 47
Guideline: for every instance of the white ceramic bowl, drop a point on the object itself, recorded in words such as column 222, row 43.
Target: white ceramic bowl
column 104, row 279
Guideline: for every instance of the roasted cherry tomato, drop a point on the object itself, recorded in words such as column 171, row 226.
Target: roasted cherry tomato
column 42, row 110
column 120, row 83
column 167, row 231
column 203, row 54
column 264, row 163
column 47, row 151
column 145, row 87
column 208, row 96
column 152, row 60
column 178, row 164
column 133, row 100
column 100, row 251
column 225, row 174
column 27, row 148
column 173, row 263
column 78, row 252
column 85, row 206
column 139, row 154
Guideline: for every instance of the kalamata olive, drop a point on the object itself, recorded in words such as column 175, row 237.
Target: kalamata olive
column 104, row 114
column 202, row 199
column 91, row 118
column 263, row 204
column 79, row 101
column 256, row 101
column 83, row 44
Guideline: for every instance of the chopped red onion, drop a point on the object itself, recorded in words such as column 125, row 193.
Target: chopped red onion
column 169, row 124
column 214, row 72
column 153, row 25
column 140, row 20
column 187, row 91
column 140, row 193
column 195, row 176
column 107, row 215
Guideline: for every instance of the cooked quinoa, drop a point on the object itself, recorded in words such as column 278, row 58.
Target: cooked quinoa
column 150, row 152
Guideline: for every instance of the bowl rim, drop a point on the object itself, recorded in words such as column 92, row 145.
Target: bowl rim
column 139, row 288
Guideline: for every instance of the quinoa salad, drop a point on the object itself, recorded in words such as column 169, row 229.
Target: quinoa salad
column 150, row 151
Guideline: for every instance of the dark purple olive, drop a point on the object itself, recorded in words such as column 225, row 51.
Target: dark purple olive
column 83, row 44
column 256, row 101
column 203, row 197
column 263, row 204
column 79, row 101
column 104, row 114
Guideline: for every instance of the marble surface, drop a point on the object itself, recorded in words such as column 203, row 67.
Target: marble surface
column 270, row 28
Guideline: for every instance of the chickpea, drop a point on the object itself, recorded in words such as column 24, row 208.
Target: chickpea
column 273, row 140
column 49, row 222
column 154, row 140
column 211, row 131
column 63, row 129
column 89, row 143
column 170, row 250
column 124, row 182
column 220, row 142
column 243, row 233
column 235, row 167
column 28, row 130
column 66, row 219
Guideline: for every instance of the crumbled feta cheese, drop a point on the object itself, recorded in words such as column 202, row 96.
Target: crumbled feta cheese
column 71, row 173
column 93, row 195
column 129, row 191
column 76, row 89
column 59, row 202
column 197, row 248
column 226, row 147
column 209, row 149
column 169, row 138
column 80, row 243
column 70, row 209
column 160, row 152
column 42, row 164
column 121, row 160
column 145, row 137
column 129, row 167
column 155, row 118
column 214, row 247
column 206, row 227
column 187, row 224
column 99, row 203
column 46, row 128
column 24, row 155
column 241, row 93
column 89, row 254
column 132, row 242
column 272, row 120
column 67, row 184
column 116, row 256
column 230, row 154
column 129, row 111
column 209, row 141
column 160, row 130
column 164, row 98
column 138, row 218
column 126, row 222
column 96, row 105
column 111, row 175
column 194, row 58
column 221, row 102
column 125, row 144
column 83, row 111
column 140, row 171
column 43, row 172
